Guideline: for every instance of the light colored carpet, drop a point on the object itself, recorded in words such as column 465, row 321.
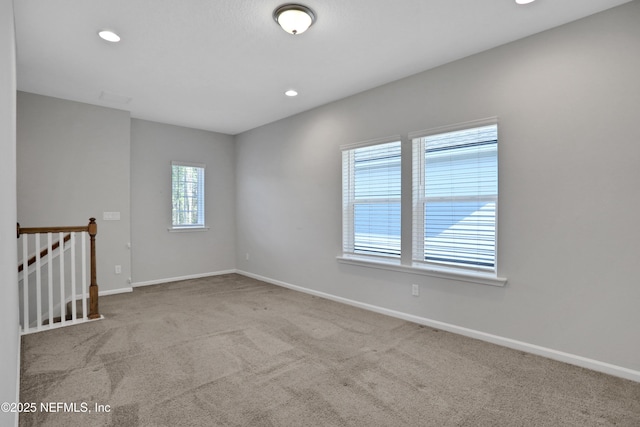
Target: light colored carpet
column 233, row 351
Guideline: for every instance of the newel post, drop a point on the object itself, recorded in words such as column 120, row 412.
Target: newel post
column 93, row 287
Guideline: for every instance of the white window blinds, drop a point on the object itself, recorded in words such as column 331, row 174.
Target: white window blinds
column 187, row 195
column 455, row 192
column 371, row 199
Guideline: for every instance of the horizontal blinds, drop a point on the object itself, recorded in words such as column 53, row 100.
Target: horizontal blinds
column 456, row 176
column 187, row 195
column 371, row 200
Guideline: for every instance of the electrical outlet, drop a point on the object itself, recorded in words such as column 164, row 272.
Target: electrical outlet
column 118, row 269
column 415, row 290
column 247, row 256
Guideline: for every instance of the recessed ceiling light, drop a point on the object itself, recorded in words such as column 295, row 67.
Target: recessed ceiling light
column 524, row 1
column 109, row 36
column 291, row 92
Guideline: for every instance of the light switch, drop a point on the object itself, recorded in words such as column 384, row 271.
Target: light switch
column 111, row 216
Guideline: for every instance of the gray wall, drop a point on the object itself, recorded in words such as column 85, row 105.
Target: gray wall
column 73, row 163
column 568, row 102
column 77, row 160
column 9, row 344
column 159, row 255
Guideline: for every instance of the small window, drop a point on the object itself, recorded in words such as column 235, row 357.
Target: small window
column 187, row 195
column 455, row 195
column 371, row 199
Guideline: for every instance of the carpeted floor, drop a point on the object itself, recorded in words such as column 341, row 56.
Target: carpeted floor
column 233, row 351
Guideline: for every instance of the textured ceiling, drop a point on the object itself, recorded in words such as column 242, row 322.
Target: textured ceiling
column 224, row 65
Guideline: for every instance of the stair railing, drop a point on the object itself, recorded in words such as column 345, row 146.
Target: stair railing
column 47, row 254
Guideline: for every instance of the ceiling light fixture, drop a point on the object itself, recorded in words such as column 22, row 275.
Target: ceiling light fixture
column 291, row 92
column 109, row 36
column 294, row 18
column 524, row 1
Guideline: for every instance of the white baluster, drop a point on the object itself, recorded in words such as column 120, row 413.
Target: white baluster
column 25, row 283
column 50, row 277
column 63, row 305
column 85, row 315
column 74, row 310
column 38, row 283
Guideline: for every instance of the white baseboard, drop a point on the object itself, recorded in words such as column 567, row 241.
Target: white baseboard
column 114, row 291
column 595, row 365
column 102, row 294
column 177, row 279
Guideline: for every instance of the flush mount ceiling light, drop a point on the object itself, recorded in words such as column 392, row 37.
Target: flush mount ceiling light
column 291, row 92
column 109, row 36
column 294, row 18
column 524, row 1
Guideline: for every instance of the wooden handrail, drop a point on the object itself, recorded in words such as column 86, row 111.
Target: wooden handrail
column 92, row 229
column 36, row 230
column 44, row 252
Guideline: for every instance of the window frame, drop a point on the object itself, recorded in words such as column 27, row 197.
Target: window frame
column 349, row 200
column 405, row 263
column 419, row 198
column 201, row 190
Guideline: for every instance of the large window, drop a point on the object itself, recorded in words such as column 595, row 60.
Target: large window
column 187, row 195
column 451, row 229
column 455, row 192
column 371, row 199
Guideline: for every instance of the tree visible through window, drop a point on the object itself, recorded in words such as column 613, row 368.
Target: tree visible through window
column 187, row 194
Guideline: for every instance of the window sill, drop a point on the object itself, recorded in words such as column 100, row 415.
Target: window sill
column 187, row 229
column 441, row 272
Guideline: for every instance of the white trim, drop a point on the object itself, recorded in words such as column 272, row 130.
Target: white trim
column 200, row 199
column 572, row 359
column 177, row 279
column 183, row 229
column 188, row 164
column 369, row 142
column 61, row 325
column 454, row 127
column 77, row 319
column 57, row 309
column 114, row 292
column 424, row 270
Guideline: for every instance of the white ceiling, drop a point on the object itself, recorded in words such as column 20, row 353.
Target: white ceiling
column 224, row 65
